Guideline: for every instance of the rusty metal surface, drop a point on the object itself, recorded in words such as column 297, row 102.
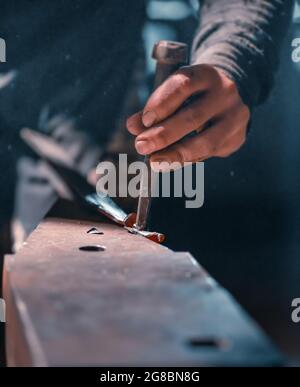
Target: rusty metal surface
column 136, row 303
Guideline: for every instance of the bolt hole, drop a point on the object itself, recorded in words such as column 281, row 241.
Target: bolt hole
column 92, row 248
column 95, row 231
column 208, row 342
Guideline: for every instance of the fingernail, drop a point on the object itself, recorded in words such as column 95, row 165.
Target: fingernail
column 149, row 118
column 144, row 147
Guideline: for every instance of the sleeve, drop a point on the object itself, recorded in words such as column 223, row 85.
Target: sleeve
column 243, row 38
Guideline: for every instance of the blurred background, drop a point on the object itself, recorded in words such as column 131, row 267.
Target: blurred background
column 247, row 234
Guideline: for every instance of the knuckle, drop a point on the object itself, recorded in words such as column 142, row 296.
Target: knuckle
column 236, row 145
column 185, row 84
column 245, row 113
column 225, row 154
column 213, row 149
column 225, row 151
column 161, row 138
column 155, row 101
column 211, row 75
column 210, row 148
column 206, row 70
column 241, row 142
column 161, row 111
column 240, row 111
column 185, row 78
column 240, row 135
column 237, row 120
column 234, row 129
column 192, row 117
column 181, row 154
column 231, row 88
column 181, row 85
column 243, row 137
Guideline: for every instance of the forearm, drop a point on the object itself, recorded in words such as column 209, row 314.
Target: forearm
column 243, row 39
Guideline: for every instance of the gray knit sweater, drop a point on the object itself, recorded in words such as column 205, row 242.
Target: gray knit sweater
column 242, row 37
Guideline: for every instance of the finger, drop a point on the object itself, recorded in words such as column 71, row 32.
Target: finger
column 198, row 148
column 134, row 124
column 187, row 120
column 167, row 99
column 238, row 119
column 233, row 144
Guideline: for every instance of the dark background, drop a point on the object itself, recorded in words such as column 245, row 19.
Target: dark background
column 247, row 233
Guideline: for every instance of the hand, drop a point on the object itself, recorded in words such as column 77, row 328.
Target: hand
column 198, row 98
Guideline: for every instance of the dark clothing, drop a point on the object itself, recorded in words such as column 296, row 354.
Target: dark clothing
column 67, row 59
column 75, row 56
column 70, row 62
column 242, row 37
column 71, row 57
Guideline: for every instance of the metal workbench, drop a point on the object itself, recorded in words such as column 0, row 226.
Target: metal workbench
column 129, row 303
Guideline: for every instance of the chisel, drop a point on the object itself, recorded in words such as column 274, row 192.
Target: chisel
column 169, row 57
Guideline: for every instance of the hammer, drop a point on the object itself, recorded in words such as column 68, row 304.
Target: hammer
column 169, row 57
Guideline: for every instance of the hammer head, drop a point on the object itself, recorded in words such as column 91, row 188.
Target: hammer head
column 171, row 53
